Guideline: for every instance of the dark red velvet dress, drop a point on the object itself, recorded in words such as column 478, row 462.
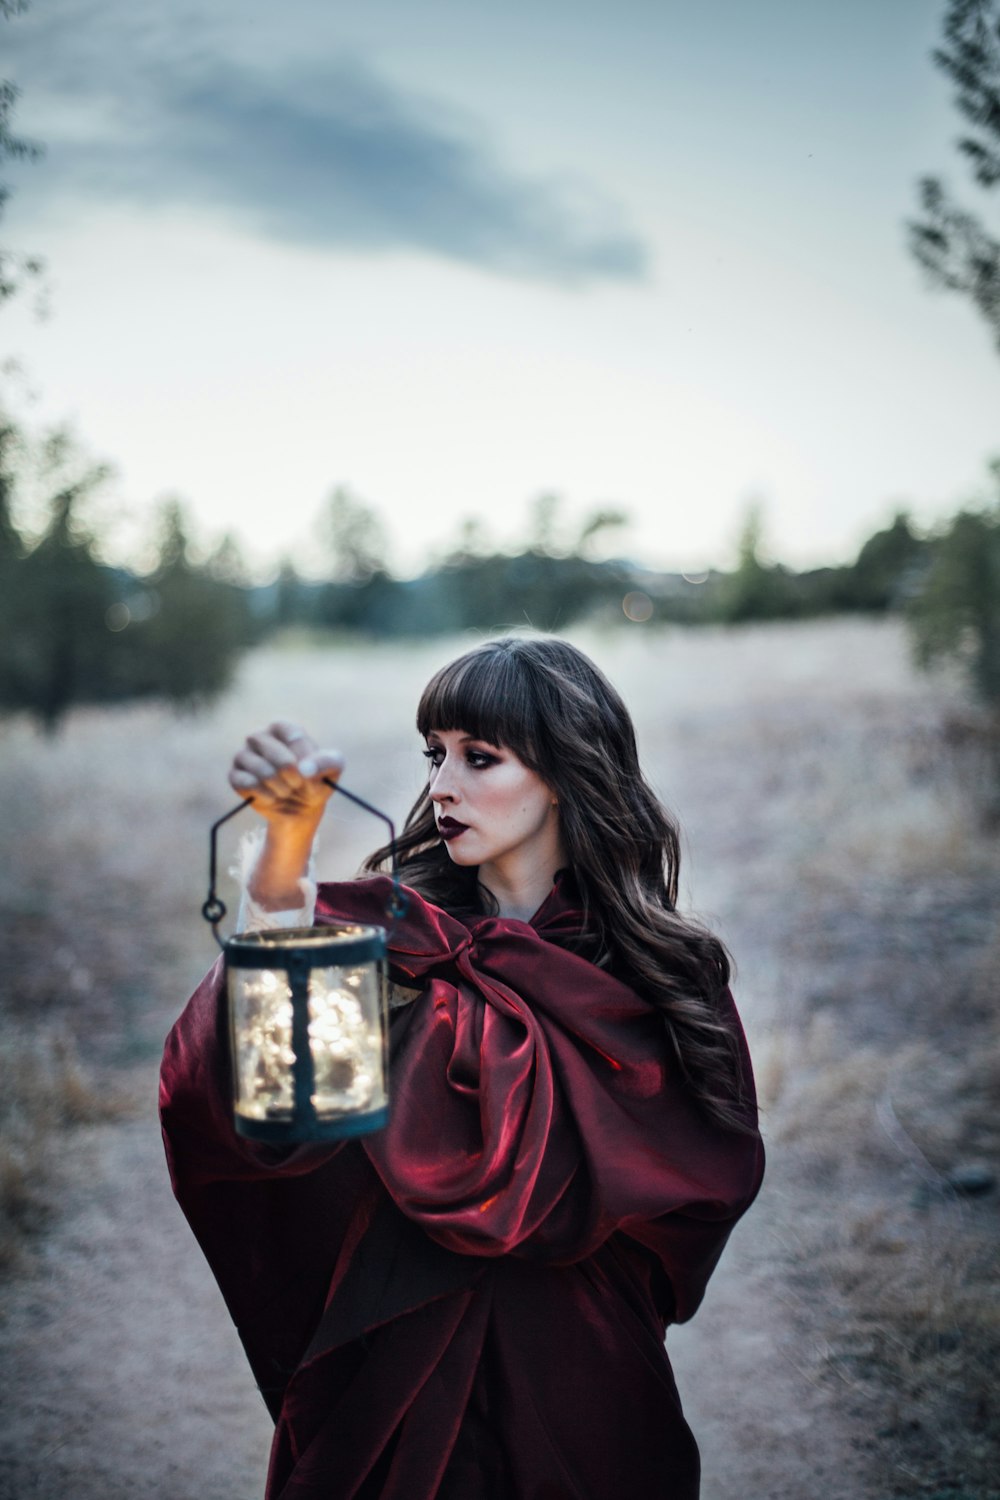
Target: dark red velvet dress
column 471, row 1305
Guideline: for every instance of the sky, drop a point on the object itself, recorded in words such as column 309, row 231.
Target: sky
column 451, row 255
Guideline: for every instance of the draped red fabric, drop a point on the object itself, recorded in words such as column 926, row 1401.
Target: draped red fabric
column 471, row 1303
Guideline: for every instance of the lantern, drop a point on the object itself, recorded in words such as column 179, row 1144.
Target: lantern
column 308, row 1024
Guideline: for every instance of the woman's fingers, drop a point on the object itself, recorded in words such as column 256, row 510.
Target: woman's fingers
column 284, row 773
column 323, row 764
column 283, row 760
column 271, row 770
column 292, row 735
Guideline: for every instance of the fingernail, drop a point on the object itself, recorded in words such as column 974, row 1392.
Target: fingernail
column 308, row 767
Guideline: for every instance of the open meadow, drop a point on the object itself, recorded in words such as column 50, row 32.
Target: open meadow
column 835, row 810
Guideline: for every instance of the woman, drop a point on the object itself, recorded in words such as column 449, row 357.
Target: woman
column 472, row 1303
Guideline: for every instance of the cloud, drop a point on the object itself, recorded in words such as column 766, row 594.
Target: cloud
column 337, row 159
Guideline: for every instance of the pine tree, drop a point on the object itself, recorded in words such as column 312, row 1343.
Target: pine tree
column 953, row 244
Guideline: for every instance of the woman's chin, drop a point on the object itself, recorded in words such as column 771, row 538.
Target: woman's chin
column 457, row 856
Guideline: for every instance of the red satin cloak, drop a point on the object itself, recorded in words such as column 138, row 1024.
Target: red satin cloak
column 471, row 1305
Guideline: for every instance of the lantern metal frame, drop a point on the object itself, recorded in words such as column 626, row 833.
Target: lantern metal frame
column 332, row 945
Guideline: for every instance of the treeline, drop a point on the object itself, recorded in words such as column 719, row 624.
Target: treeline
column 945, row 583
column 553, row 581
column 75, row 630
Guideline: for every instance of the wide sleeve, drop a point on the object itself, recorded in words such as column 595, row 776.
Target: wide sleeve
column 537, row 1108
column 271, row 1223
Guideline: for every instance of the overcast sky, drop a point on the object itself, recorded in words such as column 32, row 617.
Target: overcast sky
column 454, row 255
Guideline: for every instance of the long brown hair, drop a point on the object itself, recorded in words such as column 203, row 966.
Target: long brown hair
column 545, row 700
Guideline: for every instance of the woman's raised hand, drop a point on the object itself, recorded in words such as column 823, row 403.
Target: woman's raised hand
column 281, row 769
column 283, row 772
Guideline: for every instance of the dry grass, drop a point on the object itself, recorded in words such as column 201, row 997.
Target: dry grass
column 837, row 837
column 45, row 1090
column 841, row 814
column 883, row 1083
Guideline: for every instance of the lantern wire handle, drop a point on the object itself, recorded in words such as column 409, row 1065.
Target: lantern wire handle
column 398, row 900
column 214, row 908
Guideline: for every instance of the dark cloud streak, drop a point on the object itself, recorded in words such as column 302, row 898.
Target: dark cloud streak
column 336, row 159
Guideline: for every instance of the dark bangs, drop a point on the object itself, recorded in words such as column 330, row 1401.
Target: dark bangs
column 487, row 693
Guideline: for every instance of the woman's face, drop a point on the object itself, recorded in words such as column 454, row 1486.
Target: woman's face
column 489, row 806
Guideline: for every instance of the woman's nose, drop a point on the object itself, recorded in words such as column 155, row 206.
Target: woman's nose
column 441, row 788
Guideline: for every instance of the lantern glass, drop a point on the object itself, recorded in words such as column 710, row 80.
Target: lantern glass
column 261, row 1007
column 345, row 1036
column 308, row 1019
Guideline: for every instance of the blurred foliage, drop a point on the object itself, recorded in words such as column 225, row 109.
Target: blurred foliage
column 14, row 268
column 183, row 629
column 554, row 581
column 756, row 590
column 885, row 572
column 957, row 610
column 956, row 249
column 474, row 586
column 353, row 538
column 888, row 568
column 77, row 631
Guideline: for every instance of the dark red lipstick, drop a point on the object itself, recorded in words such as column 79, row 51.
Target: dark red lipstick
column 450, row 828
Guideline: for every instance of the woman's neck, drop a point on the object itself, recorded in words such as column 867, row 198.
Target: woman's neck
column 520, row 887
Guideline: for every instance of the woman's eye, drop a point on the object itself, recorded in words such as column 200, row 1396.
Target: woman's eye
column 477, row 760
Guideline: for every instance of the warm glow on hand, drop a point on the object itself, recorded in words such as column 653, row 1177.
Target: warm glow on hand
column 282, row 770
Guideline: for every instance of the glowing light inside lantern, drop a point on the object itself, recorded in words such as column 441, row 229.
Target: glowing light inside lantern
column 345, row 1040
column 345, row 1044
column 264, row 1055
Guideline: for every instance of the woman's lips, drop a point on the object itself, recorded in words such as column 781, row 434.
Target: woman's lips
column 450, row 828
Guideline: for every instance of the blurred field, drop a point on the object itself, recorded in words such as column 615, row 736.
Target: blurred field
column 833, row 804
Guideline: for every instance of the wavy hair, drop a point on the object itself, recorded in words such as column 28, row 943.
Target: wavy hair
column 545, row 700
